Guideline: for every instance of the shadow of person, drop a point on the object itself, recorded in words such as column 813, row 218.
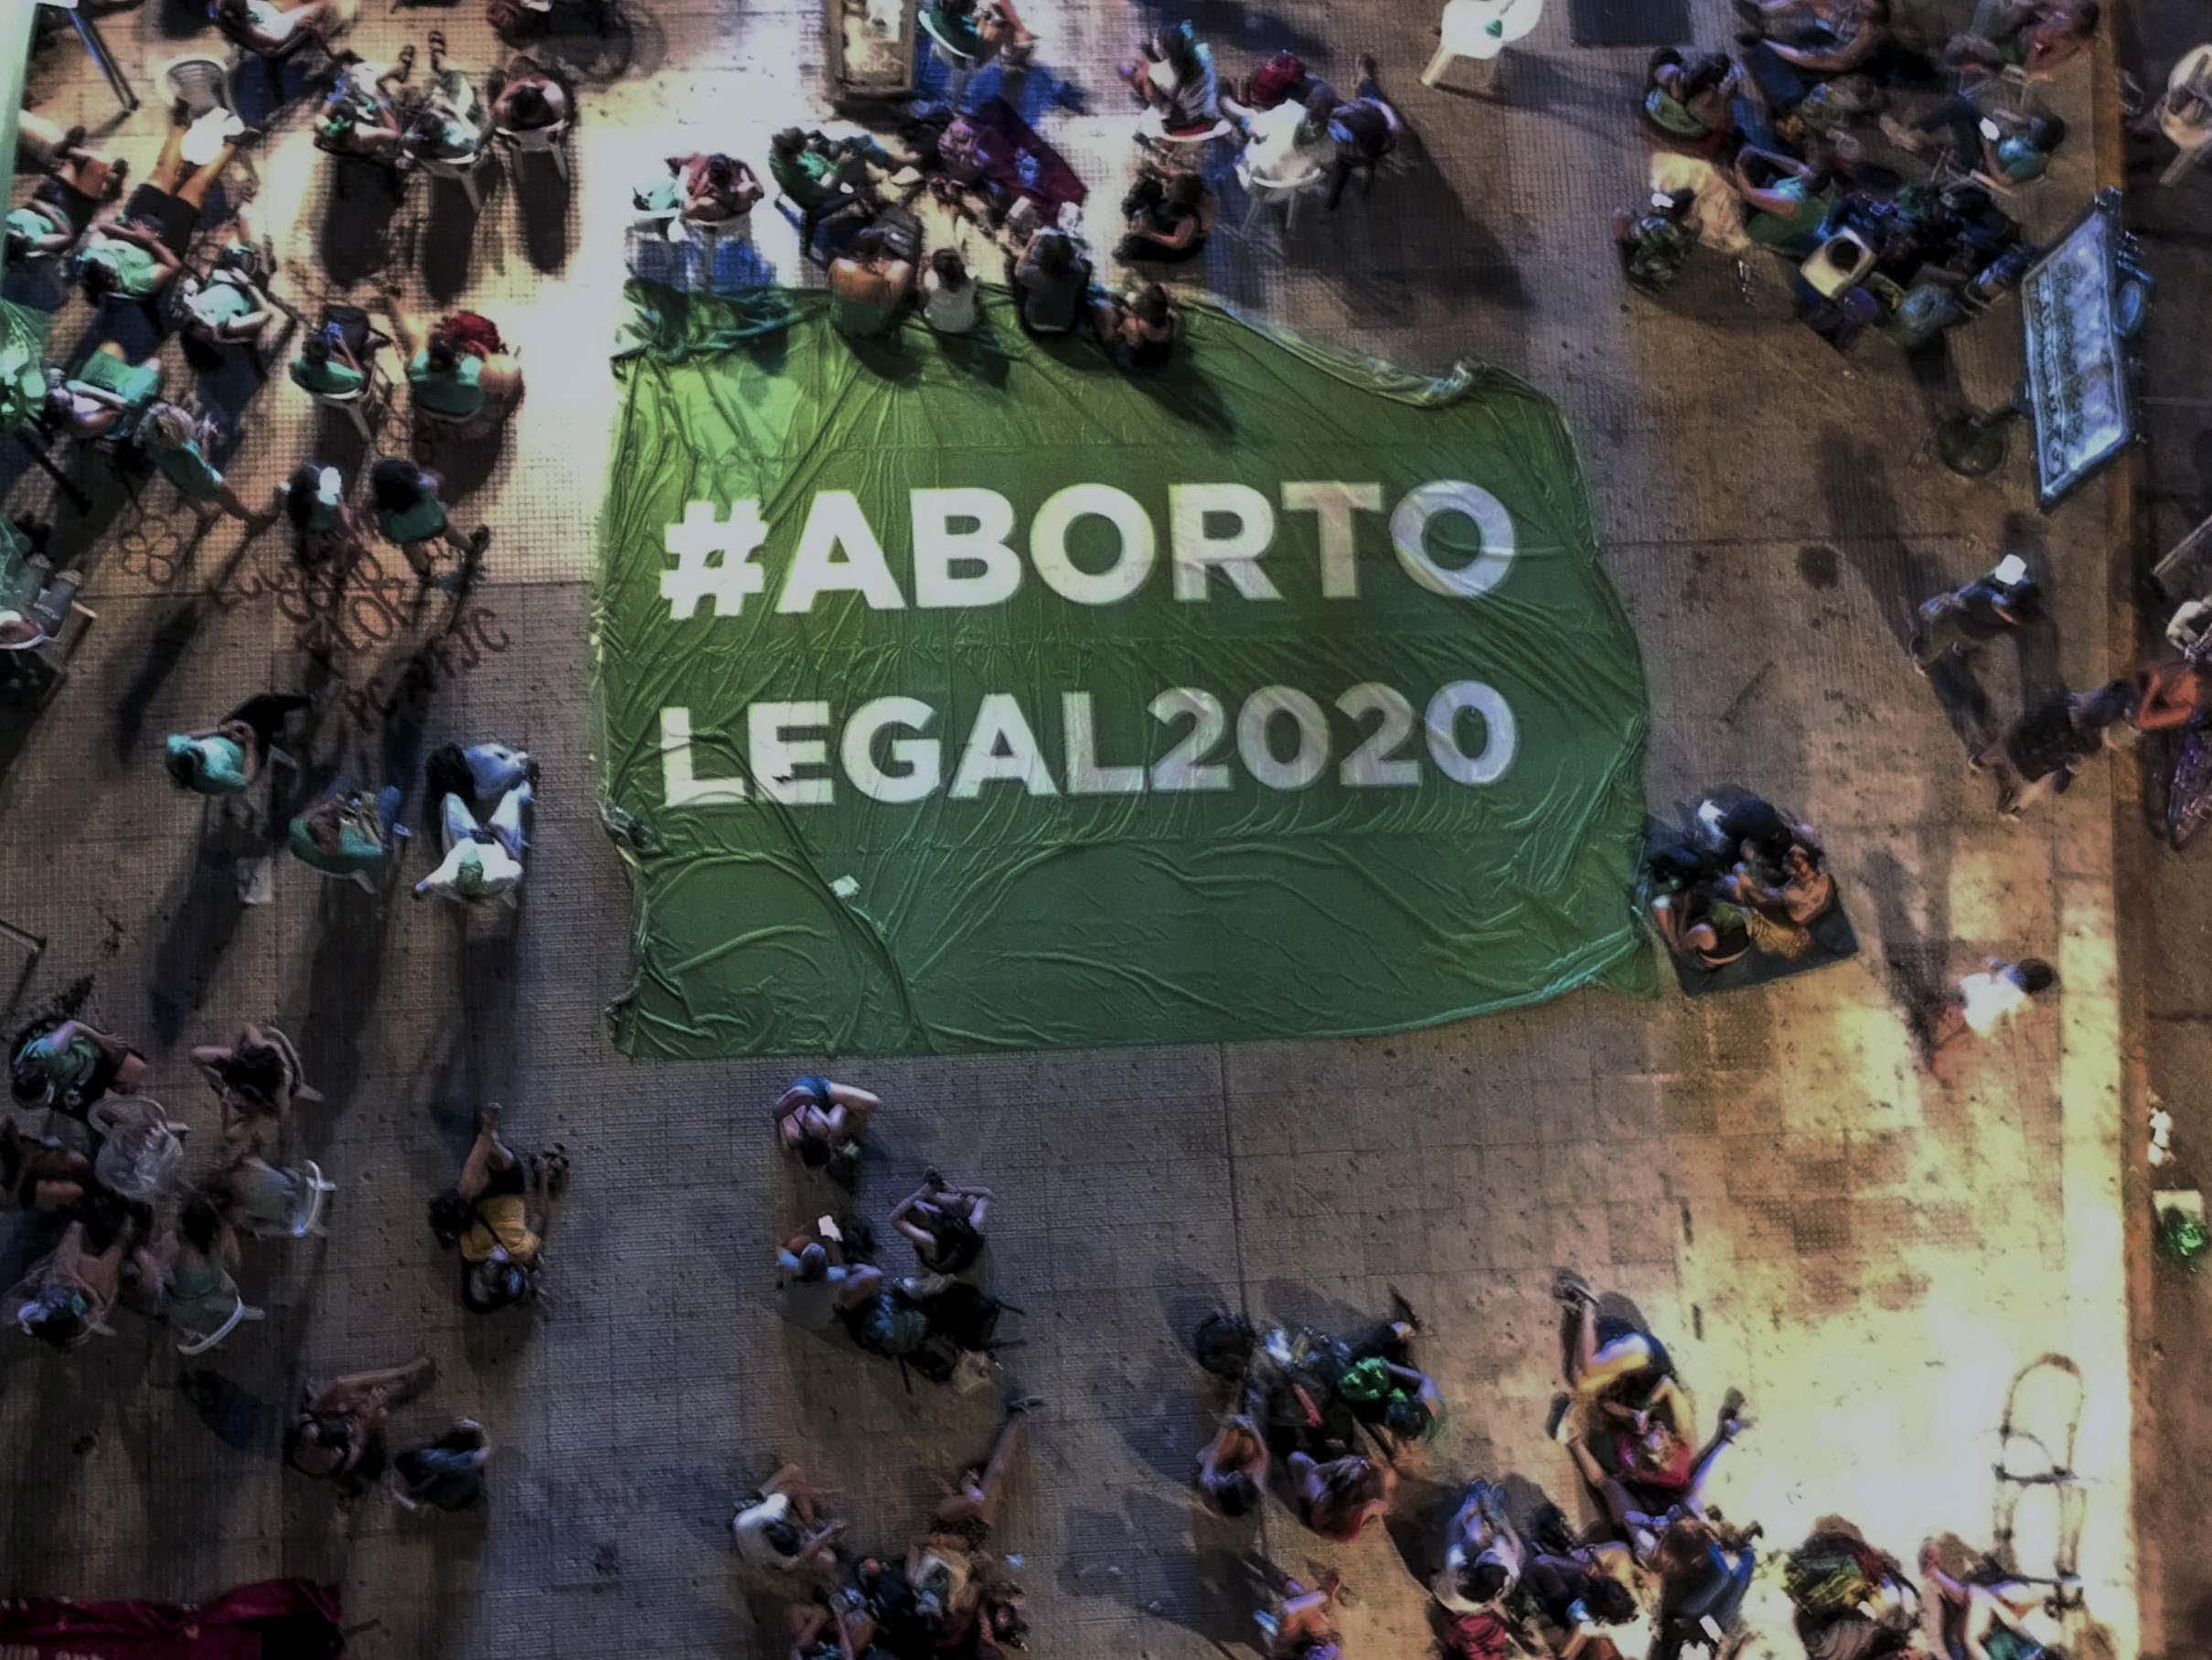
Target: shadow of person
column 1913, row 963
column 1409, row 220
column 452, row 228
column 353, row 242
column 202, row 919
column 545, row 197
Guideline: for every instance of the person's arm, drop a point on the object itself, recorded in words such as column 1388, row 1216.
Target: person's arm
column 1836, row 63
column 903, row 1219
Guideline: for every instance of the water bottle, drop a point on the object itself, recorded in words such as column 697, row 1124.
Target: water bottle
column 1026, row 169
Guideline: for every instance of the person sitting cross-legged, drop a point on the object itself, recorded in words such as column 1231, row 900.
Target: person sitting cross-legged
column 821, row 1122
column 869, row 285
column 781, row 1525
column 945, row 1225
column 483, row 861
column 487, row 1215
column 1050, row 281
column 1168, row 214
column 815, row 1282
column 1139, row 329
column 1233, row 1470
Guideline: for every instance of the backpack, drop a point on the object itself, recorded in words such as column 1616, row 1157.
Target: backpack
column 967, row 1316
column 890, row 1326
column 1275, row 81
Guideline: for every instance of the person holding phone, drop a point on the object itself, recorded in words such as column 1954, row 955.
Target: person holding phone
column 2011, row 148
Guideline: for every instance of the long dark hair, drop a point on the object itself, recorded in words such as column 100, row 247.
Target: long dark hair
column 395, row 484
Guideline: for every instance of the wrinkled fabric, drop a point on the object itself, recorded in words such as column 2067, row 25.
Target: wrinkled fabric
column 269, row 1620
column 1026, row 920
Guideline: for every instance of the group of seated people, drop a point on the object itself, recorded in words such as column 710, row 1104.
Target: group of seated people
column 1324, row 1420
column 1744, row 876
column 372, row 112
column 96, row 1174
column 933, row 1323
column 949, row 1597
column 1754, row 151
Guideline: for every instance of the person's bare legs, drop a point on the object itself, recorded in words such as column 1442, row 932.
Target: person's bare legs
column 193, row 192
column 1619, row 1506
column 486, row 1153
column 1585, row 1340
column 1693, row 1496
column 981, row 1490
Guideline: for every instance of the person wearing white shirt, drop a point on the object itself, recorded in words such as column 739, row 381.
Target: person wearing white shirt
column 483, row 859
column 1483, row 1557
column 1983, row 1002
column 948, row 294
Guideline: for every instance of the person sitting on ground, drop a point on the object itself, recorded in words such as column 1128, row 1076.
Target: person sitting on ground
column 268, row 30
column 65, row 1298
column 2171, row 693
column 349, row 836
column 948, row 294
column 190, row 1268
column 450, row 124
column 965, row 1517
column 869, row 285
column 1173, row 75
column 1168, row 213
column 228, row 757
column 944, row 1224
column 1654, row 245
column 444, row 1474
column 821, row 1122
column 177, row 442
column 1981, row 1003
column 405, row 500
column 813, row 1282
column 1787, row 201
column 1338, row 1498
column 528, row 97
column 1137, row 328
column 820, row 1632
column 781, row 1525
column 2009, row 146
column 1375, row 1378
column 1820, row 37
column 1051, row 282
column 2051, row 740
column 1233, row 1469
column 1305, row 1628
column 486, row 1217
column 66, row 1066
column 74, row 184
column 1484, row 1554
column 1624, row 1374
column 338, row 1433
column 1779, row 912
column 1649, row 1477
column 1982, row 1614
column 827, row 177
column 109, row 391
column 483, row 861
column 1689, row 95
column 39, row 1175
column 1573, row 1588
column 1850, row 1602
column 2035, row 36
column 138, row 252
column 1702, row 1578
column 361, row 110
column 708, row 187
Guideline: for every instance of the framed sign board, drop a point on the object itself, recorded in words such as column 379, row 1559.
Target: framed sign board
column 2079, row 304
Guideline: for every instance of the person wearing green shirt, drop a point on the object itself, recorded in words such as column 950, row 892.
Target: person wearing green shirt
column 67, row 1064
column 112, row 263
column 139, row 252
column 327, row 368
column 173, row 441
column 107, row 390
column 228, row 756
column 38, row 228
column 446, row 381
column 350, row 838
column 827, row 177
column 1789, row 201
column 2012, row 149
column 227, row 309
column 404, row 497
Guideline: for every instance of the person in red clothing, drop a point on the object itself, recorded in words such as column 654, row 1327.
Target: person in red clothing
column 1338, row 1499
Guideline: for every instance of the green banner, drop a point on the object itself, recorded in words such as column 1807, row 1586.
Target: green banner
column 972, row 694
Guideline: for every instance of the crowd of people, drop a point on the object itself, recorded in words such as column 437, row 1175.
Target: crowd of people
column 1762, row 148
column 1771, row 149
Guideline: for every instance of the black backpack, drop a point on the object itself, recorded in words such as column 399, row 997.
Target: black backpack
column 1225, row 1343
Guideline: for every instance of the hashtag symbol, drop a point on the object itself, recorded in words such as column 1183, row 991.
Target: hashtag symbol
column 700, row 574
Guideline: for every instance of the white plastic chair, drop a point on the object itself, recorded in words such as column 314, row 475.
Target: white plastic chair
column 464, row 173
column 2184, row 113
column 354, row 405
column 1288, row 192
column 314, row 1191
column 540, row 140
column 240, row 1314
column 141, row 1148
column 1480, row 30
